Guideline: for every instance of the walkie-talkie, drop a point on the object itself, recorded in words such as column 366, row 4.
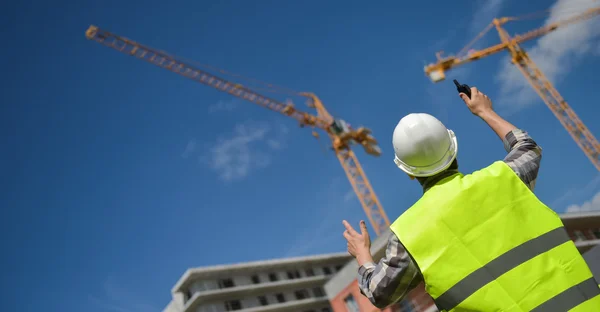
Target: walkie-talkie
column 463, row 88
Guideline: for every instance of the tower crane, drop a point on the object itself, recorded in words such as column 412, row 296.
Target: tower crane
column 559, row 107
column 342, row 135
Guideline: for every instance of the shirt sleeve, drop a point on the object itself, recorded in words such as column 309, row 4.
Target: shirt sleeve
column 388, row 281
column 524, row 156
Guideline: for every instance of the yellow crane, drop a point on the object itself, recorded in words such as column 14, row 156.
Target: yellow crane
column 565, row 114
column 342, row 135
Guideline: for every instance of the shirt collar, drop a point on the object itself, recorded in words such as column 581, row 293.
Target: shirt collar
column 431, row 181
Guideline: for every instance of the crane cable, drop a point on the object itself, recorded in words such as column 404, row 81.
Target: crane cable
column 542, row 13
column 530, row 16
column 481, row 34
column 272, row 88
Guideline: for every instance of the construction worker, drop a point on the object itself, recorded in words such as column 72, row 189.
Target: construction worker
column 479, row 242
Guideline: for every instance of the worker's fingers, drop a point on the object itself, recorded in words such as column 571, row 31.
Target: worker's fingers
column 349, row 228
column 347, row 235
column 464, row 97
column 474, row 91
column 363, row 228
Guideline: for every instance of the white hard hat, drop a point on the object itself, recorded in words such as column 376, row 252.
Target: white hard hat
column 423, row 145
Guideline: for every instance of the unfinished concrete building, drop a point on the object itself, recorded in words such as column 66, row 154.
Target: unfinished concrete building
column 322, row 283
column 293, row 284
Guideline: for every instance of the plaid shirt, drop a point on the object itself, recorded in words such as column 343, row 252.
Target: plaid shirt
column 396, row 274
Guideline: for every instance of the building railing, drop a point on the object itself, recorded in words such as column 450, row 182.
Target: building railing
column 273, row 277
column 253, row 289
column 291, row 305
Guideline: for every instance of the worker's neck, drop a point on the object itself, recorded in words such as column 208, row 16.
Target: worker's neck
column 428, row 182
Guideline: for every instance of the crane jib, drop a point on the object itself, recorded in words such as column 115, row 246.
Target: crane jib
column 544, row 88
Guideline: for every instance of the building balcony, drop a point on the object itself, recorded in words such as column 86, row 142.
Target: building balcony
column 267, row 266
column 291, row 306
column 254, row 289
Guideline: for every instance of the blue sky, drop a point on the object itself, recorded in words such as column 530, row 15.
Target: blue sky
column 118, row 175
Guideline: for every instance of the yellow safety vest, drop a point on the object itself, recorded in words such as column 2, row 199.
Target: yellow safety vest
column 484, row 242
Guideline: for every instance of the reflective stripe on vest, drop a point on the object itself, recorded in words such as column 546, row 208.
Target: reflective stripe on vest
column 484, row 242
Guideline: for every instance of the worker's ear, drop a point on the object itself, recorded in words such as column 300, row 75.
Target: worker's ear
column 411, row 177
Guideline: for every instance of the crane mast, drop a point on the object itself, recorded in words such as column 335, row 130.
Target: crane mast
column 559, row 107
column 543, row 87
column 342, row 135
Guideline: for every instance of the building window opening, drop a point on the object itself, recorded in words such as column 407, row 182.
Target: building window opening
column 596, row 233
column 579, row 236
column 326, row 309
column 233, row 305
column 310, row 272
column 263, row 300
column 326, row 270
column 318, row 292
column 351, row 304
column 273, row 277
column 293, row 274
column 188, row 295
column 255, row 279
column 280, row 298
column 226, row 283
column 301, row 294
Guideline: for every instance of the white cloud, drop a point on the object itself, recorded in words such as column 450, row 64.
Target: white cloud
column 485, row 13
column 248, row 148
column 576, row 193
column 350, row 195
column 228, row 105
column 555, row 54
column 590, row 205
column 117, row 298
column 337, row 201
column 278, row 142
column 189, row 148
